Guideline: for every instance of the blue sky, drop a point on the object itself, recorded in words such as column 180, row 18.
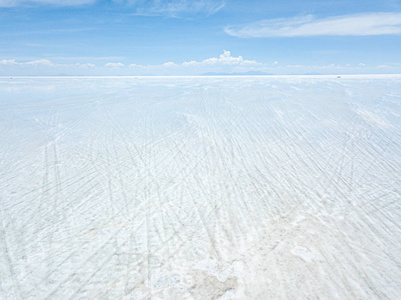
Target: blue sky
column 186, row 37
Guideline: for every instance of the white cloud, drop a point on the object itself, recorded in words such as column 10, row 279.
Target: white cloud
column 174, row 8
column 169, row 64
column 88, row 65
column 42, row 62
column 114, row 65
column 224, row 59
column 8, row 62
column 47, row 67
column 361, row 64
column 384, row 67
column 225, row 63
column 167, row 8
column 345, row 25
column 39, row 62
column 12, row 3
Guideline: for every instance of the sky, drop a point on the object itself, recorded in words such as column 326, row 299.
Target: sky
column 188, row 37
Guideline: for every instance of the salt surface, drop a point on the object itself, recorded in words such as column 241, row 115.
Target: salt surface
column 200, row 188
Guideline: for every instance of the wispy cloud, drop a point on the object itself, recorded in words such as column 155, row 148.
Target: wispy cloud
column 49, row 31
column 13, row 3
column 7, row 62
column 379, row 23
column 385, row 67
column 40, row 62
column 75, row 58
column 173, row 8
column 166, row 8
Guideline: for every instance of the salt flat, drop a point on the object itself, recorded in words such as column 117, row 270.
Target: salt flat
column 200, row 187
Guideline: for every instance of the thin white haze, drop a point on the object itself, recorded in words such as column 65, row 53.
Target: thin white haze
column 352, row 25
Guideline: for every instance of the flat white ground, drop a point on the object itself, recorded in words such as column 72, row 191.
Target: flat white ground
column 200, row 188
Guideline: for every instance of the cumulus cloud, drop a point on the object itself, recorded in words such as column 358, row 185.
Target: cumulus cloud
column 45, row 67
column 88, row 65
column 169, row 64
column 114, row 65
column 12, row 3
column 346, row 25
column 225, row 63
column 224, row 59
